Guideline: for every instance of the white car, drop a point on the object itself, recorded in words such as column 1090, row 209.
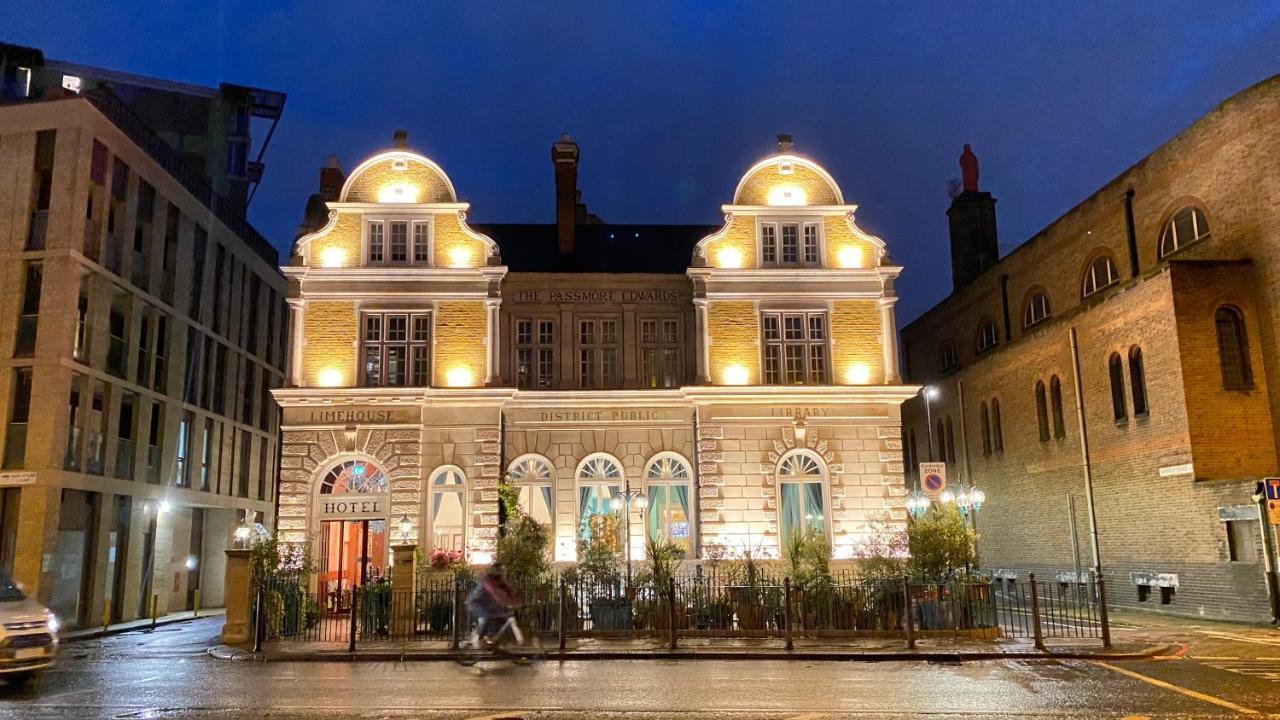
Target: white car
column 28, row 634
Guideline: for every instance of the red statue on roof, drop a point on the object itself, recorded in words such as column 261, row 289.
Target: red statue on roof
column 969, row 169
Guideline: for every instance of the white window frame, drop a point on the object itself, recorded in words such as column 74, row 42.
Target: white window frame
column 1170, row 230
column 806, row 313
column 801, row 222
column 670, row 480
column 1092, row 282
column 983, row 344
column 1028, row 317
column 533, row 460
column 412, row 222
column 824, row 477
column 429, row 514
column 579, row 480
column 409, row 343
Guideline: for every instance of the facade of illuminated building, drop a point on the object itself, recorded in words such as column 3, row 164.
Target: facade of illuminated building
column 742, row 378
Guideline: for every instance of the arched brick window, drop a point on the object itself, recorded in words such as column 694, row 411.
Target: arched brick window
column 1233, row 349
column 1042, row 412
column 1138, row 381
column 1115, row 370
column 984, row 419
column 1036, row 309
column 1055, row 398
column 1100, row 274
column 1188, row 225
column 997, row 433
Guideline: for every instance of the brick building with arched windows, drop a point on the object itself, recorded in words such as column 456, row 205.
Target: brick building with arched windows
column 1144, row 320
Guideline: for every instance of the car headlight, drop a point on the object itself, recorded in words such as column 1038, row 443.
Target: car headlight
column 52, row 623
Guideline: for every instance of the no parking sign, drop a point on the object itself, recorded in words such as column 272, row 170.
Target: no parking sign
column 933, row 477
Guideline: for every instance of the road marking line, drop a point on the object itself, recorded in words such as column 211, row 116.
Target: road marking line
column 1240, row 638
column 809, row 716
column 1214, row 657
column 1170, row 686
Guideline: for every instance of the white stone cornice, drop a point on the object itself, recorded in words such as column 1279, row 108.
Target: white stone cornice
column 401, row 208
column 790, row 210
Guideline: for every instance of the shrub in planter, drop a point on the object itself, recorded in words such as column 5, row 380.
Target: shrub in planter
column 941, row 543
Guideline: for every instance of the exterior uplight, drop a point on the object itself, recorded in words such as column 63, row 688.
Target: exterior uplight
column 460, row 257
column 736, row 375
column 329, row 377
column 458, row 377
column 858, row 374
column 729, row 257
column 398, row 193
column 849, row 256
column 786, row 195
column 332, row 257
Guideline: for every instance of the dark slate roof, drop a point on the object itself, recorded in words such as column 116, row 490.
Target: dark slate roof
column 598, row 248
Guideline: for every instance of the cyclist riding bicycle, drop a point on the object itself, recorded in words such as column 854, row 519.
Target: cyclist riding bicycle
column 491, row 603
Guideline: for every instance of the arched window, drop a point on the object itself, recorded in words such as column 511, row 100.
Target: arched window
column 1055, row 398
column 667, row 480
column 1187, row 226
column 984, row 419
column 951, row 442
column 947, row 358
column 600, row 481
column 354, row 477
column 802, row 477
column 1100, row 273
column 534, row 480
column 1042, row 412
column 1138, row 381
column 997, row 433
column 1115, row 369
column 448, row 511
column 988, row 335
column 1037, row 309
column 1233, row 349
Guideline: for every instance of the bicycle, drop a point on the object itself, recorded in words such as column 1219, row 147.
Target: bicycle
column 497, row 644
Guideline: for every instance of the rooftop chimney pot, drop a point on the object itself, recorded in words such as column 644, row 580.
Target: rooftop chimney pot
column 400, row 138
column 784, row 142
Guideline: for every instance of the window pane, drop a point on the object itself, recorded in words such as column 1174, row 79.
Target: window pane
column 420, row 365
column 649, row 331
column 773, row 364
column 396, row 365
column 768, row 244
column 545, row 332
column 524, row 332
column 373, row 328
column 373, row 366
column 420, row 242
column 670, row 331
column 587, row 332
column 1183, row 227
column 375, row 242
column 399, row 241
column 817, row 364
column 790, row 244
column 811, row 244
column 608, row 331
column 524, row 367
column 546, row 367
column 397, row 328
column 817, row 327
column 771, row 331
column 793, row 327
column 795, row 363
column 421, row 328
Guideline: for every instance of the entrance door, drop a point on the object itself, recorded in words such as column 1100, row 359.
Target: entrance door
column 352, row 553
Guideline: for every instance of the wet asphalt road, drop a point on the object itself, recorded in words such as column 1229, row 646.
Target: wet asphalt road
column 168, row 674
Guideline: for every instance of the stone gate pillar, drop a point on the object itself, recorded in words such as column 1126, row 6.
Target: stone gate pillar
column 238, row 592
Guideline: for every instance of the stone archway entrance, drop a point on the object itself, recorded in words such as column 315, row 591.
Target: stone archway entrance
column 352, row 513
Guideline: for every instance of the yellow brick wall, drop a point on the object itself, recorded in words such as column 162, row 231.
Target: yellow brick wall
column 755, row 191
column 733, row 328
column 740, row 236
column 461, row 329
column 856, row 339
column 432, row 187
column 330, row 333
column 838, row 236
column 450, row 238
column 346, row 235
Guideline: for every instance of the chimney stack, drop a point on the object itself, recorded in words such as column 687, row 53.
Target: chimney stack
column 400, row 139
column 972, row 219
column 331, row 179
column 784, row 143
column 564, row 156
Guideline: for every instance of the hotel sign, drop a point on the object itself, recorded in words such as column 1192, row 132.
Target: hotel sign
column 352, row 416
column 596, row 296
column 352, row 507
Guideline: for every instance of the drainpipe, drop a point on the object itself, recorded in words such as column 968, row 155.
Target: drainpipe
column 1085, row 464
column 1133, row 233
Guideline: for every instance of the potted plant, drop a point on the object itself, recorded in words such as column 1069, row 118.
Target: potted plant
column 599, row 553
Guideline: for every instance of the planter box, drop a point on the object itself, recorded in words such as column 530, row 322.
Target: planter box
column 611, row 616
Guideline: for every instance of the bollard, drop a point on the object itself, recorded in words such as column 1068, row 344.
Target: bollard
column 351, row 635
column 671, row 613
column 195, row 605
column 1102, row 612
column 259, row 620
column 155, row 602
column 786, row 612
column 1035, row 613
column 564, row 595
column 457, row 616
column 908, row 614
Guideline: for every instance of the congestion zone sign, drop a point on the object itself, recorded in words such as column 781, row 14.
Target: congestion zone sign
column 933, row 476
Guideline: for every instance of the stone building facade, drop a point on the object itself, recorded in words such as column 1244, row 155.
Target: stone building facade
column 1144, row 322
column 720, row 386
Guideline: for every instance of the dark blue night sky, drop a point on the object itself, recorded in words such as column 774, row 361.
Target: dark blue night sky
column 671, row 101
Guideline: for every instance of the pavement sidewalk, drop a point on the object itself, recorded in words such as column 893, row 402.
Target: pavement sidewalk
column 864, row 649
column 140, row 624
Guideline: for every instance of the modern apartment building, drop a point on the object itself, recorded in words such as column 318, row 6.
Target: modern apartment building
column 1110, row 382
column 741, row 379
column 140, row 334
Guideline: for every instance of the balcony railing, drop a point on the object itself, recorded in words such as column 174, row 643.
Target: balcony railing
column 15, row 445
column 124, row 458
column 38, row 229
column 95, row 449
column 153, row 464
column 71, row 461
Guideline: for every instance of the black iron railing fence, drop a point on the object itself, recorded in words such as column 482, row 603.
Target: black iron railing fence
column 687, row 606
